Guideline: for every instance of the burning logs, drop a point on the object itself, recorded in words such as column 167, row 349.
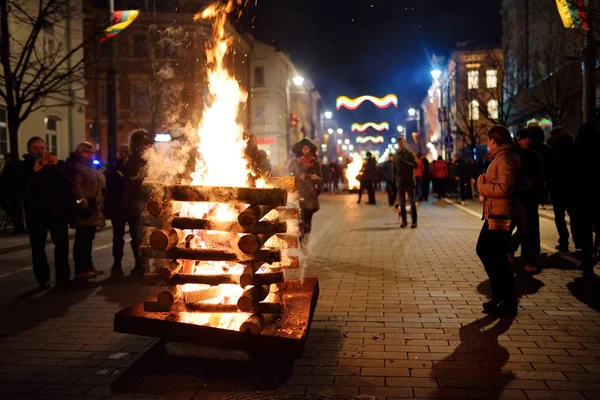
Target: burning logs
column 212, row 280
column 251, row 297
column 257, row 322
column 212, row 307
column 196, row 296
column 166, row 272
column 169, row 297
column 159, row 209
column 262, row 227
column 216, row 194
column 267, row 278
column 251, row 215
column 264, row 256
column 166, row 239
column 250, row 244
column 283, row 182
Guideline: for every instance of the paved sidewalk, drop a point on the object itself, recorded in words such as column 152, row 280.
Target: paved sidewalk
column 398, row 317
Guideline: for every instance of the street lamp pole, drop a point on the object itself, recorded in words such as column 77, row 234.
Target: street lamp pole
column 111, row 96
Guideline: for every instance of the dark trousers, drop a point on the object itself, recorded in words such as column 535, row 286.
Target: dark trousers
column 82, row 248
column 392, row 192
column 369, row 186
column 59, row 233
column 424, row 196
column 492, row 249
column 118, row 227
column 12, row 209
column 418, row 188
column 440, row 187
column 465, row 189
column 306, row 217
column 528, row 232
column 410, row 191
column 562, row 206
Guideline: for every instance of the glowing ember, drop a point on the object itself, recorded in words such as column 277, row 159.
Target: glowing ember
column 353, row 170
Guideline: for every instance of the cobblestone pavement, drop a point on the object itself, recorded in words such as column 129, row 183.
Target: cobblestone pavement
column 398, row 317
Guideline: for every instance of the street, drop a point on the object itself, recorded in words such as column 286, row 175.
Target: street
column 399, row 316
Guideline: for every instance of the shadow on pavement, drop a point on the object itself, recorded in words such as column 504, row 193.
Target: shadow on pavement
column 478, row 348
column 376, row 228
column 586, row 290
column 526, row 285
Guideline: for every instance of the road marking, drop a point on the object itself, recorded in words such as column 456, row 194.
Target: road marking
column 544, row 246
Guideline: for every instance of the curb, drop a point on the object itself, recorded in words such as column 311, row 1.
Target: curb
column 11, row 248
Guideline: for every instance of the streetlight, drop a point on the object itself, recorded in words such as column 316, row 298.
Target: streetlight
column 339, row 141
column 340, row 131
column 298, row 80
column 330, row 131
column 412, row 112
column 347, row 141
column 351, row 147
column 400, row 128
column 328, row 114
column 436, row 73
column 393, row 140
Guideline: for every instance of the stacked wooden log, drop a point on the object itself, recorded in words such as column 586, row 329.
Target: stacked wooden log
column 261, row 231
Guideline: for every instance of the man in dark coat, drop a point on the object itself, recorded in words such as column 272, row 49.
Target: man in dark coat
column 369, row 177
column 10, row 194
column 113, row 199
column 49, row 203
column 404, row 172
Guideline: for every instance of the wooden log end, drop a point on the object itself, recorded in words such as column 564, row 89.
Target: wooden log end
column 155, row 306
column 254, row 324
column 250, row 244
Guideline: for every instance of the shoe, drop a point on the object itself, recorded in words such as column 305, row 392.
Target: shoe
column 531, row 269
column 44, row 286
column 358, row 202
column 404, row 224
column 488, row 305
column 413, row 225
column 86, row 275
column 502, row 309
column 96, row 271
column 561, row 248
column 371, row 203
column 116, row 267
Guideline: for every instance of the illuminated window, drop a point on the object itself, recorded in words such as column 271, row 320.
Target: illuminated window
column 3, row 133
column 492, row 107
column 491, row 78
column 51, row 134
column 473, row 79
column 474, row 110
column 259, row 76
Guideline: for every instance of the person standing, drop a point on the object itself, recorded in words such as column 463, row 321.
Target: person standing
column 369, row 176
column 531, row 194
column 307, row 170
column 115, row 183
column 404, row 172
column 424, row 196
column 419, row 175
column 48, row 204
column 387, row 170
column 499, row 187
column 88, row 192
column 439, row 173
column 10, row 196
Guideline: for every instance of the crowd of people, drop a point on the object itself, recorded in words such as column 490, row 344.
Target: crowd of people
column 54, row 195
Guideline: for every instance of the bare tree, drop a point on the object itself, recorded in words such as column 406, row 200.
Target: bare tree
column 38, row 61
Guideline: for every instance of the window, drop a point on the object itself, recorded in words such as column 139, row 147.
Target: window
column 140, row 46
column 140, row 99
column 4, row 146
column 473, row 79
column 491, row 78
column 259, row 76
column 51, row 135
column 48, row 43
column 492, row 107
column 474, row 110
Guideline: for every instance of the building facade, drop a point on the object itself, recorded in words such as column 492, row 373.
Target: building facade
column 161, row 72
column 543, row 62
column 283, row 104
column 59, row 117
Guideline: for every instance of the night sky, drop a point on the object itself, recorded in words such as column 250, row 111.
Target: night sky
column 355, row 47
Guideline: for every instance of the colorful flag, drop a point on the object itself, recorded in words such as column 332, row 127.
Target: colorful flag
column 572, row 14
column 120, row 21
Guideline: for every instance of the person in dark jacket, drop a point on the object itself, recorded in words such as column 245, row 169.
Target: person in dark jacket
column 387, row 170
column 538, row 136
column 425, row 180
column 530, row 196
column 307, row 170
column 10, row 195
column 49, row 203
column 368, row 177
column 131, row 204
column 115, row 184
column 465, row 174
column 404, row 172
column 560, row 174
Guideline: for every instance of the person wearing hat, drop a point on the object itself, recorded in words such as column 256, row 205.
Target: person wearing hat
column 307, row 170
column 368, row 178
column 531, row 194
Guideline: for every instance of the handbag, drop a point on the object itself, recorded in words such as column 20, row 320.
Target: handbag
column 499, row 223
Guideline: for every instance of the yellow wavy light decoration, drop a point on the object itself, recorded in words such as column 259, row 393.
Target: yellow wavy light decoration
column 383, row 126
column 353, row 104
column 374, row 139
